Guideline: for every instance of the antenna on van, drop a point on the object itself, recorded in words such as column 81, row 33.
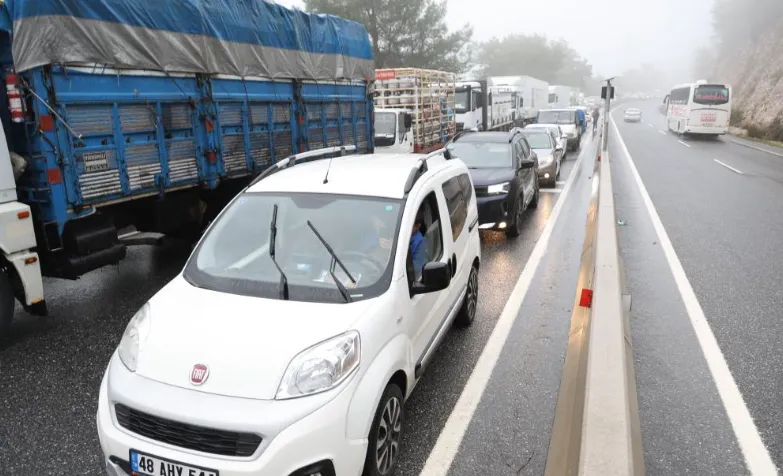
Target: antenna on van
column 329, row 165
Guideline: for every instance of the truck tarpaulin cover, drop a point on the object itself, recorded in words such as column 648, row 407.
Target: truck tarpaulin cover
column 233, row 37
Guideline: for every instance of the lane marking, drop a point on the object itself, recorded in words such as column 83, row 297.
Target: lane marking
column 561, row 182
column 448, row 443
column 650, row 125
column 729, row 167
column 550, row 190
column 756, row 454
column 683, row 143
column 662, row 132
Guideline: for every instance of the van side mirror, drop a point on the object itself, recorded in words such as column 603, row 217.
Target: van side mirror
column 436, row 276
column 407, row 121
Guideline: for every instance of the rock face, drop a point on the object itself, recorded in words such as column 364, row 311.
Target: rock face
column 756, row 75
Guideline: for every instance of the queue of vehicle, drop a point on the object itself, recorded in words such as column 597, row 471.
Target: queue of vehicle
column 568, row 120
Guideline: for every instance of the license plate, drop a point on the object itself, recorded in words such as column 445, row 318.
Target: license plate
column 146, row 465
column 95, row 161
column 708, row 117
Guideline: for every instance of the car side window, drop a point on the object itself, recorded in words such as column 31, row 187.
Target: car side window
column 456, row 204
column 426, row 237
column 467, row 188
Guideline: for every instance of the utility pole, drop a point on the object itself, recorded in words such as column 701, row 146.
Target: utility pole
column 607, row 93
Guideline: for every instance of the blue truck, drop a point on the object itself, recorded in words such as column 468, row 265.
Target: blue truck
column 151, row 116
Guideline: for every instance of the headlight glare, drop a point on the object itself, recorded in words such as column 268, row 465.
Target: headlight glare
column 321, row 367
column 498, row 188
column 133, row 339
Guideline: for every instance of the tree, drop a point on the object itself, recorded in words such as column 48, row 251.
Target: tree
column 537, row 56
column 405, row 33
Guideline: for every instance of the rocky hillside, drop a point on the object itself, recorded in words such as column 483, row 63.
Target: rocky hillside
column 756, row 74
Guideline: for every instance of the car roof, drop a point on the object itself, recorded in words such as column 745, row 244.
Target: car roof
column 558, row 110
column 539, row 126
column 487, row 136
column 371, row 175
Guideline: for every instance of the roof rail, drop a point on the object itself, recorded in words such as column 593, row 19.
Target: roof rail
column 421, row 167
column 291, row 160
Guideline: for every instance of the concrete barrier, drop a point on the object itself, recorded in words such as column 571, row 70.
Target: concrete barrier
column 596, row 427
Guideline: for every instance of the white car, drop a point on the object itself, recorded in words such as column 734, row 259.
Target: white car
column 633, row 115
column 300, row 324
column 557, row 132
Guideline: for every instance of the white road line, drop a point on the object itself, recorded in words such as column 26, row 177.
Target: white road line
column 650, row 125
column 683, row 143
column 442, row 454
column 561, row 182
column 662, row 132
column 729, row 167
column 550, row 190
column 756, row 454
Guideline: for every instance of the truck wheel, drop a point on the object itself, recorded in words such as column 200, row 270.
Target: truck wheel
column 6, row 304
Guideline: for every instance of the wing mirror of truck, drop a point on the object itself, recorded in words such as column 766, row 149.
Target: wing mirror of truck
column 407, row 121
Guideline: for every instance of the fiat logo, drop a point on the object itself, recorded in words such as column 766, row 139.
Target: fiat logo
column 199, row 374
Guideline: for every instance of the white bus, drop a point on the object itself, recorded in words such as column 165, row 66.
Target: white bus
column 699, row 108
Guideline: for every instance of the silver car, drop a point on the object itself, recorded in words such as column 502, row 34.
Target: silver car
column 557, row 132
column 633, row 114
column 549, row 152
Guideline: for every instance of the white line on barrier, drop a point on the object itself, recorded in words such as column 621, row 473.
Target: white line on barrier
column 442, row 454
column 683, row 143
column 729, row 167
column 756, row 454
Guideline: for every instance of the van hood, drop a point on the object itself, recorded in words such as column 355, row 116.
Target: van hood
column 246, row 342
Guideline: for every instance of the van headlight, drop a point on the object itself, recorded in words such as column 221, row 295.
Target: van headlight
column 133, row 339
column 321, row 367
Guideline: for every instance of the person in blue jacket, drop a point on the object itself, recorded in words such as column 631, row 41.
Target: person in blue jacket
column 419, row 246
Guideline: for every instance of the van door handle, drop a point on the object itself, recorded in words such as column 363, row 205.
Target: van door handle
column 473, row 224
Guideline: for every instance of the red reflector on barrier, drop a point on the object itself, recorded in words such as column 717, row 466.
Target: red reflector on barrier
column 586, row 300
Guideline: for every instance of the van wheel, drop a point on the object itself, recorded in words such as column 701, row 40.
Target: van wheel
column 6, row 304
column 383, row 444
column 468, row 310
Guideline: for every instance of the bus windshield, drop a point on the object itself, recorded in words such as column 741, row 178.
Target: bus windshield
column 712, row 95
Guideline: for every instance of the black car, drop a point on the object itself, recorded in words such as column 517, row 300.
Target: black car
column 504, row 170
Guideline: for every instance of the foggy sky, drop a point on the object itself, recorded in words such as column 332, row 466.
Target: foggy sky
column 613, row 35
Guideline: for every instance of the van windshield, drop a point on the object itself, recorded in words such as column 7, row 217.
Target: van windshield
column 556, row 117
column 234, row 255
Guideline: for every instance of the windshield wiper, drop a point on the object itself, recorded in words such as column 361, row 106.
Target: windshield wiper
column 272, row 238
column 335, row 260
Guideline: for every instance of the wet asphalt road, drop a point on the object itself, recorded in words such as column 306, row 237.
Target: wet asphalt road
column 727, row 230
column 51, row 368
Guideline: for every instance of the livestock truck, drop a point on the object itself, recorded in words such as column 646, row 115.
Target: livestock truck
column 414, row 110
column 149, row 116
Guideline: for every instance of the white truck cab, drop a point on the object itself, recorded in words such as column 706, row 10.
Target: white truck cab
column 20, row 270
column 393, row 131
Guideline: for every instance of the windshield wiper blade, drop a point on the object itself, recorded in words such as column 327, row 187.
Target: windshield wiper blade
column 283, row 286
column 335, row 260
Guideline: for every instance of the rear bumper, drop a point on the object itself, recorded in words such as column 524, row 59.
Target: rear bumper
column 633, row 119
column 706, row 130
